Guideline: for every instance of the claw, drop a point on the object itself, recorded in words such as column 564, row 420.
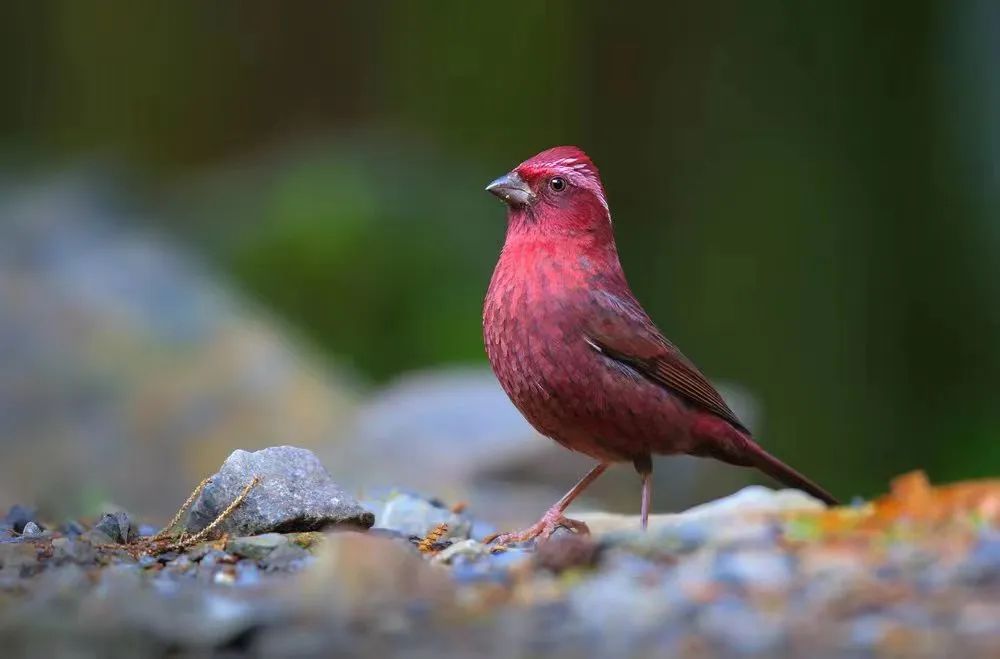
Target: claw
column 541, row 530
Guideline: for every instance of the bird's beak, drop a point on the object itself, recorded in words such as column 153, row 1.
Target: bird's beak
column 511, row 189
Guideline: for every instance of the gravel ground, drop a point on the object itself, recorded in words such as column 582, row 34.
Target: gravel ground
column 760, row 573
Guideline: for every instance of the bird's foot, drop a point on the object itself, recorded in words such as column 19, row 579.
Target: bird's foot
column 540, row 530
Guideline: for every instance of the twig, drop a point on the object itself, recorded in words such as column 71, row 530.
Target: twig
column 180, row 513
column 184, row 543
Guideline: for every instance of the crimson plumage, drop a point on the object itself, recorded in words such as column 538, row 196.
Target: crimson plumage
column 575, row 350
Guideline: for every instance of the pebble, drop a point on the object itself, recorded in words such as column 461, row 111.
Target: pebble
column 256, row 547
column 31, row 529
column 116, row 527
column 415, row 516
column 742, row 628
column 757, row 568
column 18, row 516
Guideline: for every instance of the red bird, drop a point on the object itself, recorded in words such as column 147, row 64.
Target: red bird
column 579, row 356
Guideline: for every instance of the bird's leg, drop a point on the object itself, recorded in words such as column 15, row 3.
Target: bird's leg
column 553, row 517
column 644, row 466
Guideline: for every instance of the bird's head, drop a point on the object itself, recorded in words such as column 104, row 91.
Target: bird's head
column 556, row 191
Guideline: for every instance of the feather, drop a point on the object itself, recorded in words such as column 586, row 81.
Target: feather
column 619, row 329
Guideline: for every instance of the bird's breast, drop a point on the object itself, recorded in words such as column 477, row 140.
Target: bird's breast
column 532, row 330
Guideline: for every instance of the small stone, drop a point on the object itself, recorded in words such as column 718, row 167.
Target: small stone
column 117, row 527
column 18, row 517
column 468, row 548
column 31, row 529
column 765, row 569
column 71, row 528
column 17, row 555
column 73, row 550
column 415, row 516
column 294, row 493
column 180, row 564
column 198, row 552
column 487, row 565
column 982, row 565
column 288, row 557
column 247, row 573
column 743, row 629
column 566, row 552
column 256, row 547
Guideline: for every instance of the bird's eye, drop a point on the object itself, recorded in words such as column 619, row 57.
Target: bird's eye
column 557, row 183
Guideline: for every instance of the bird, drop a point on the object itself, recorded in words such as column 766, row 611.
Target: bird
column 580, row 358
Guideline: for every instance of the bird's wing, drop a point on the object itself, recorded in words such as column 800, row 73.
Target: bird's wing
column 618, row 327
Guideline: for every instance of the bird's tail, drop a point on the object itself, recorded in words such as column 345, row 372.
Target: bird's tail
column 778, row 470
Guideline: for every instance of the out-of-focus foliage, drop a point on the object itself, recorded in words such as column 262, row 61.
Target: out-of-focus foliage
column 362, row 246
column 806, row 196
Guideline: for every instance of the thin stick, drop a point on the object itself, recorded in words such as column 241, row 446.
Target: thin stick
column 180, row 513
column 208, row 530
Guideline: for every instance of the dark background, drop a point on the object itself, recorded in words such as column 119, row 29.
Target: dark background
column 805, row 194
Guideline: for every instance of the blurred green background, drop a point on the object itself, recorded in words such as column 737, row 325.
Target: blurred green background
column 806, row 195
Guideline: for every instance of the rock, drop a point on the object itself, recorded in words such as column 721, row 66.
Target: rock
column 466, row 548
column 558, row 554
column 256, row 547
column 18, row 555
column 768, row 569
column 73, row 550
column 116, row 527
column 71, row 528
column 982, row 565
column 752, row 516
column 624, row 598
column 286, row 558
column 31, row 529
column 18, row 516
column 359, row 576
column 295, row 493
column 743, row 629
column 415, row 516
column 487, row 565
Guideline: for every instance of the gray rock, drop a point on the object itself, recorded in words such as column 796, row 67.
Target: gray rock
column 414, row 516
column 467, row 548
column 743, row 629
column 295, row 493
column 768, row 569
column 31, row 529
column 256, row 547
column 117, row 527
column 17, row 517
column 750, row 517
column 288, row 557
column 983, row 563
column 16, row 555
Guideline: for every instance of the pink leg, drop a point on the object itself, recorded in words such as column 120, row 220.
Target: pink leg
column 553, row 518
column 647, row 495
column 644, row 465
